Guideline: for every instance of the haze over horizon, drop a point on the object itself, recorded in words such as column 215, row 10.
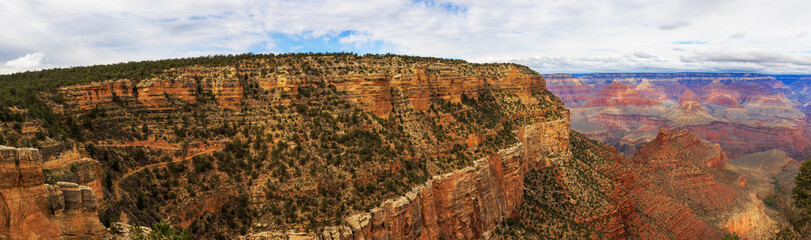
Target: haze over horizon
column 550, row 36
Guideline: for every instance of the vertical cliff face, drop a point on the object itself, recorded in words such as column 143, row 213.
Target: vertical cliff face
column 469, row 203
column 31, row 209
column 750, row 219
column 465, row 204
column 157, row 94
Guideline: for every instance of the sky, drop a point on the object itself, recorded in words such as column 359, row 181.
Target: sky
column 550, row 36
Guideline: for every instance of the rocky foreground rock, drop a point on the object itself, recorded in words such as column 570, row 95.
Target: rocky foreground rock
column 31, row 209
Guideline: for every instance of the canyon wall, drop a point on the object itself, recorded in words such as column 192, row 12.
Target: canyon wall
column 464, row 204
column 495, row 146
column 372, row 92
column 467, row 203
column 31, row 209
column 157, row 94
column 491, row 187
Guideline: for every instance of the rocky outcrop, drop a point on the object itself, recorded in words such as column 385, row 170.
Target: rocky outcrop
column 65, row 163
column 90, row 95
column 373, row 92
column 546, row 143
column 31, row 209
column 682, row 145
column 85, row 172
column 60, row 154
column 750, row 220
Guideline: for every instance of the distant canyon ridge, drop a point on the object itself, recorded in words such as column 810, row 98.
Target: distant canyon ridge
column 744, row 113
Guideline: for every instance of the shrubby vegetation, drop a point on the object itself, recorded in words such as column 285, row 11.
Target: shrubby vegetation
column 23, row 91
column 160, row 231
column 302, row 158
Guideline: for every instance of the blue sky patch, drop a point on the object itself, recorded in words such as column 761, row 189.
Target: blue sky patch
column 302, row 43
column 691, row 42
column 448, row 7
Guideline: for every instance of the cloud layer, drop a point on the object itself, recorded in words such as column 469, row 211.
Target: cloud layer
column 28, row 62
column 549, row 35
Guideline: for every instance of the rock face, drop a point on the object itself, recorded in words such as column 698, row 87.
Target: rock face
column 59, row 154
column 750, row 219
column 373, row 92
column 157, row 93
column 31, row 209
column 65, row 163
column 465, row 204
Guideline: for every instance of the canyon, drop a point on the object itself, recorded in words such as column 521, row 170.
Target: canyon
column 341, row 146
column 745, row 113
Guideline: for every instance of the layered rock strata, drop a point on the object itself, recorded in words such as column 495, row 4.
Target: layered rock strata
column 687, row 179
column 745, row 113
column 465, row 204
column 31, row 209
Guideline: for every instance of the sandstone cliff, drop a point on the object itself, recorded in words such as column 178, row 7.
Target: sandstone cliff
column 465, row 204
column 32, row 209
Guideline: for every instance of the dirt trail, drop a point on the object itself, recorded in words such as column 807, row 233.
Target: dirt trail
column 207, row 149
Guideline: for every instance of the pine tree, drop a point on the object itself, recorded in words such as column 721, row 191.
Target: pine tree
column 802, row 195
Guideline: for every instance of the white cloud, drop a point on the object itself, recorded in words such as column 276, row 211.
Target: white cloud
column 555, row 36
column 28, row 62
column 673, row 26
column 643, row 55
column 737, row 36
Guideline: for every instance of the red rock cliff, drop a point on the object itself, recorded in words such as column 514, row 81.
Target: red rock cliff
column 31, row 209
column 465, row 204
